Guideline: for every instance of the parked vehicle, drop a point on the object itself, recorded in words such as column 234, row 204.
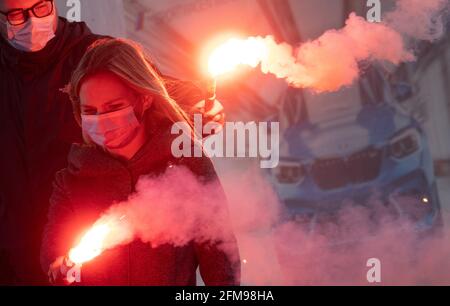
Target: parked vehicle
column 353, row 146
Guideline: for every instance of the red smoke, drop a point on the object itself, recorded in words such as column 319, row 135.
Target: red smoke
column 331, row 61
column 283, row 252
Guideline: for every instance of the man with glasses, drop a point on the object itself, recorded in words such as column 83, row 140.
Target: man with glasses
column 38, row 52
column 30, row 29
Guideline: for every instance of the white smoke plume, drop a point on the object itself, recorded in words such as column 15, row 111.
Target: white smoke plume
column 419, row 20
column 331, row 61
column 280, row 251
column 174, row 208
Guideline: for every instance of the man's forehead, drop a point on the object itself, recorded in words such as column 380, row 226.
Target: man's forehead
column 6, row 5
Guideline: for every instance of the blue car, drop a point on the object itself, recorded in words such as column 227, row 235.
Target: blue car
column 353, row 145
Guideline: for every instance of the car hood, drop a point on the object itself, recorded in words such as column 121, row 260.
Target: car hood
column 344, row 135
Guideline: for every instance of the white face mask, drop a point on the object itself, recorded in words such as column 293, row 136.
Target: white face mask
column 33, row 35
column 111, row 130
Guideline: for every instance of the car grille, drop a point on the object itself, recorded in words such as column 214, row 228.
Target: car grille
column 358, row 168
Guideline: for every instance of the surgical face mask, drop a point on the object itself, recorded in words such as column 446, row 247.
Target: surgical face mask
column 111, row 130
column 33, row 35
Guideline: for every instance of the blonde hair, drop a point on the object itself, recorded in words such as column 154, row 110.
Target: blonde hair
column 128, row 61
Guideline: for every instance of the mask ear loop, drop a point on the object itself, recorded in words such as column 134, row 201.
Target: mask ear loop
column 8, row 29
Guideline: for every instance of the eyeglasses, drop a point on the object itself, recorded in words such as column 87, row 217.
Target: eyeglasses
column 20, row 16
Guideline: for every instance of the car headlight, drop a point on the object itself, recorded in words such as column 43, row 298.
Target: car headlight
column 405, row 143
column 289, row 172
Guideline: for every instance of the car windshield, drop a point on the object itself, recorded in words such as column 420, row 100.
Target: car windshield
column 371, row 89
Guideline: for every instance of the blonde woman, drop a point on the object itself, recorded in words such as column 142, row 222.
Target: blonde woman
column 126, row 114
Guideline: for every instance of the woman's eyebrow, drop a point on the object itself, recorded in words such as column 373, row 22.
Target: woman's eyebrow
column 114, row 100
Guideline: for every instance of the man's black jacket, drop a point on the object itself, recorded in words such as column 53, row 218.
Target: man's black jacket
column 36, row 128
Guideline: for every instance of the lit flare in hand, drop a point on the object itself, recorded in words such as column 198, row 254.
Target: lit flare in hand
column 103, row 235
column 236, row 52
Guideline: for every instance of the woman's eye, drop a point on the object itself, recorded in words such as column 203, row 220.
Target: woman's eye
column 116, row 106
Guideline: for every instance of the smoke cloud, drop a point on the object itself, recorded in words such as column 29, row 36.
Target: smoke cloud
column 419, row 20
column 334, row 248
column 175, row 208
column 331, row 61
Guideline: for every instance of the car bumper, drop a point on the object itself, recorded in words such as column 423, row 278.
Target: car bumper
column 411, row 196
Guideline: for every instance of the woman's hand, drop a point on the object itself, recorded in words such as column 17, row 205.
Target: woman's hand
column 216, row 114
column 57, row 271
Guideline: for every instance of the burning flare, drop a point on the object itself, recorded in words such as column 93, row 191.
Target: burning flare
column 100, row 237
column 91, row 244
column 235, row 52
